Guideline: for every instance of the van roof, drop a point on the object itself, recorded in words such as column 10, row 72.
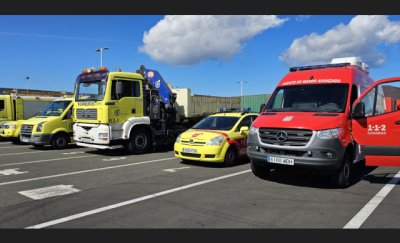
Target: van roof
column 321, row 74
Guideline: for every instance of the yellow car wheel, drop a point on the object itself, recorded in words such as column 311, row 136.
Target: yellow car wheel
column 231, row 156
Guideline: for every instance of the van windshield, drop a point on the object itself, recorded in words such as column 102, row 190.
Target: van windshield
column 309, row 98
column 55, row 108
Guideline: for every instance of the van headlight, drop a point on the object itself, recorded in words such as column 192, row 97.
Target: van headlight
column 216, row 141
column 329, row 133
column 12, row 126
column 178, row 139
column 253, row 129
column 39, row 127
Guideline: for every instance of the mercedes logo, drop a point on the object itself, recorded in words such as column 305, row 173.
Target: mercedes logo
column 281, row 136
column 190, row 141
column 86, row 113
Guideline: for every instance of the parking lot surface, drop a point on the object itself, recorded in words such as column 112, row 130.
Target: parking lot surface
column 87, row 188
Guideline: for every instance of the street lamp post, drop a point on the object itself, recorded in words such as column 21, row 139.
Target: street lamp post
column 241, row 87
column 101, row 54
column 241, row 91
column 27, row 78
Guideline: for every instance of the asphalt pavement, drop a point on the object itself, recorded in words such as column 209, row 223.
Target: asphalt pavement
column 88, row 188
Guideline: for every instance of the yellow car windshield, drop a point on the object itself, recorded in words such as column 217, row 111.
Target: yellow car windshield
column 224, row 123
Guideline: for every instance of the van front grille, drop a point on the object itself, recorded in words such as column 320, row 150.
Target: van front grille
column 285, row 137
column 26, row 130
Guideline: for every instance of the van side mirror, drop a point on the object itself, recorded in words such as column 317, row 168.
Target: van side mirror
column 244, row 130
column 119, row 88
column 261, row 107
column 359, row 110
column 68, row 115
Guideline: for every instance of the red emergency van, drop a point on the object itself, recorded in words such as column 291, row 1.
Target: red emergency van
column 307, row 121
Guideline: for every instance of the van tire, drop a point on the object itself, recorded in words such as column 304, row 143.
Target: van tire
column 259, row 170
column 342, row 177
column 139, row 142
column 230, row 157
column 59, row 141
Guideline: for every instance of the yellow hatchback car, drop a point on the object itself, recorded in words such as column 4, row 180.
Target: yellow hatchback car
column 221, row 137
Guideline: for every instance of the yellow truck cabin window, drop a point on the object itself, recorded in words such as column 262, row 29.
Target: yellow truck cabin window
column 1, row 105
column 124, row 88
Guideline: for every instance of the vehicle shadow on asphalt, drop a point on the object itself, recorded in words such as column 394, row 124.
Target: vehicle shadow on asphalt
column 69, row 146
column 124, row 152
column 309, row 179
column 380, row 178
column 213, row 164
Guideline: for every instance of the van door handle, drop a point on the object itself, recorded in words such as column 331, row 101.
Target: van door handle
column 397, row 122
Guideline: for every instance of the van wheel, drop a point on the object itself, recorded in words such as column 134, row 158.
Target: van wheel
column 60, row 141
column 342, row 177
column 230, row 157
column 139, row 141
column 259, row 170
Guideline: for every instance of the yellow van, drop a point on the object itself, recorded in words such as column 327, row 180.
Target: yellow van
column 53, row 126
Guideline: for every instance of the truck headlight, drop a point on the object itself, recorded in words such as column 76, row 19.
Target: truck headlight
column 253, row 129
column 178, row 139
column 103, row 136
column 215, row 141
column 329, row 133
column 39, row 127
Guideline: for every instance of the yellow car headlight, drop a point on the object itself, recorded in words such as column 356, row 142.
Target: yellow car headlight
column 216, row 141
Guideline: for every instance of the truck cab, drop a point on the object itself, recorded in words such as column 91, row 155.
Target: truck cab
column 306, row 122
column 53, row 126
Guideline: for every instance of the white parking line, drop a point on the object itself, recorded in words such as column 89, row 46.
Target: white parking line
column 20, row 146
column 84, row 171
column 33, row 152
column 121, row 204
column 172, row 170
column 47, row 160
column 51, row 191
column 366, row 211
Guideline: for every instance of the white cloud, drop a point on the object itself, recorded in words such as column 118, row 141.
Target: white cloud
column 301, row 18
column 360, row 37
column 185, row 40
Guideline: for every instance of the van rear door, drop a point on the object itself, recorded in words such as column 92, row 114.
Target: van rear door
column 376, row 123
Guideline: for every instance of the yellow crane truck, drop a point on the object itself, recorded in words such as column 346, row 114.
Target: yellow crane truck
column 136, row 110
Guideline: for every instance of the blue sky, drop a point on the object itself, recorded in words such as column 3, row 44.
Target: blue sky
column 208, row 54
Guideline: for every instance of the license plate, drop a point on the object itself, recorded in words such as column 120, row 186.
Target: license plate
column 277, row 160
column 86, row 140
column 189, row 150
column 24, row 140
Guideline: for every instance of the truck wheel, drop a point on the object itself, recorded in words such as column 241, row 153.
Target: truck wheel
column 259, row 170
column 139, row 141
column 60, row 141
column 230, row 157
column 341, row 178
column 16, row 141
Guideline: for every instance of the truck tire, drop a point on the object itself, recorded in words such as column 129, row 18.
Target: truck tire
column 342, row 177
column 230, row 157
column 259, row 170
column 139, row 141
column 59, row 141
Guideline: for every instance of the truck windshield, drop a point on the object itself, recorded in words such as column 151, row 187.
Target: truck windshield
column 55, row 108
column 217, row 123
column 309, row 98
column 91, row 90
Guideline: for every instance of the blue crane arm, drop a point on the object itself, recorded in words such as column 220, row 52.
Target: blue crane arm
column 159, row 83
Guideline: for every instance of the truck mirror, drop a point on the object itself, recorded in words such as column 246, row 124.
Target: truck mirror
column 359, row 110
column 261, row 107
column 119, row 88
